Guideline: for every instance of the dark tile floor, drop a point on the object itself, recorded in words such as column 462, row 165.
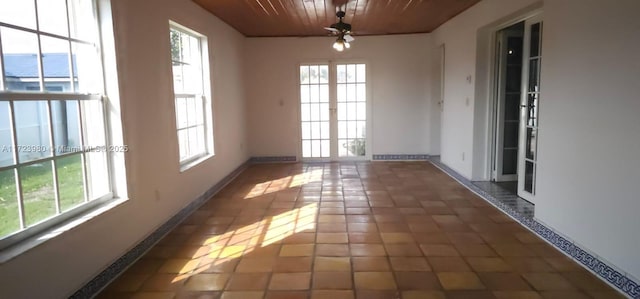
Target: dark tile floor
column 352, row 230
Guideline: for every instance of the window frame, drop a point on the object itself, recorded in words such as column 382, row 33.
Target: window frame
column 89, row 205
column 204, row 99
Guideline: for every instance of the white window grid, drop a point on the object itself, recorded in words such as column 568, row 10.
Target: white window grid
column 82, row 150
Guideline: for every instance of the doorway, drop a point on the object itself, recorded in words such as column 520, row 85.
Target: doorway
column 333, row 112
column 517, row 98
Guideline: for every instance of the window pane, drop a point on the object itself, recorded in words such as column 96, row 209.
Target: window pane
column 37, row 192
column 55, row 63
column 361, row 92
column 6, row 147
column 201, row 138
column 83, row 22
column 199, row 111
column 361, row 73
column 94, row 127
column 535, row 39
column 351, row 93
column 315, row 130
column 193, row 141
column 178, row 77
column 20, row 57
column 86, row 67
column 306, row 148
column 324, row 112
column 192, row 78
column 533, row 75
column 97, row 174
column 342, row 148
column 351, row 129
column 18, row 12
column 325, row 149
column 183, row 138
column 304, row 74
column 181, row 112
column 531, row 143
column 9, row 213
column 342, row 111
column 351, row 73
column 324, row 74
column 342, row 73
column 304, row 93
column 314, row 74
column 362, row 129
column 362, row 111
column 306, row 130
column 66, row 126
column 315, row 93
column 315, row 112
column 32, row 127
column 52, row 16
column 191, row 111
column 70, row 181
column 528, row 176
column 324, row 93
column 324, row 130
column 342, row 92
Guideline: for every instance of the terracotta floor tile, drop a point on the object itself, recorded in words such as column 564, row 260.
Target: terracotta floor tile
column 332, row 294
column 128, row 282
column 153, row 295
column 417, row 281
column 517, row 295
column 248, row 281
column 423, row 295
column 297, row 250
column 363, row 264
column 186, row 294
column 367, row 250
column 408, row 249
column 300, row 238
column 469, row 294
column 293, row 264
column 564, row 295
column 409, row 264
column 548, row 281
column 178, row 266
column 162, row 282
column 460, row 281
column 206, row 282
column 377, row 294
column 290, row 281
column 332, row 281
column 431, row 238
column 287, row 295
column 256, row 265
column 332, row 264
column 364, row 238
column 332, row 250
column 375, row 281
column 480, row 250
column 448, row 264
column 504, row 281
column 397, row 238
column 439, row 250
column 488, row 264
column 242, row 295
column 362, row 227
column 333, row 238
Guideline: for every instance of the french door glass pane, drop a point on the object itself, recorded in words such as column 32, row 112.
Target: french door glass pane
column 351, row 104
column 314, row 111
column 528, row 176
column 535, row 39
column 532, row 142
column 9, row 212
column 37, row 192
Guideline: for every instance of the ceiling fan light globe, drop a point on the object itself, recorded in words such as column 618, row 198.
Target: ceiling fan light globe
column 347, row 45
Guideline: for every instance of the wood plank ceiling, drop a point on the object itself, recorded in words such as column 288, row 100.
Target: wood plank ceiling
column 255, row 18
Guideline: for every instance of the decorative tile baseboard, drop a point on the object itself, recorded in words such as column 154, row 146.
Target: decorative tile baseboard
column 99, row 282
column 618, row 279
column 402, row 157
column 274, row 159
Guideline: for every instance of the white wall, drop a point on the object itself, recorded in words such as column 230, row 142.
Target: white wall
column 588, row 166
column 590, row 127
column 399, row 79
column 157, row 189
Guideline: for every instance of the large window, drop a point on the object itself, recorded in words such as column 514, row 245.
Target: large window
column 53, row 144
column 190, row 85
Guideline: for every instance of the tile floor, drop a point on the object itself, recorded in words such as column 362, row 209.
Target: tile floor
column 352, row 230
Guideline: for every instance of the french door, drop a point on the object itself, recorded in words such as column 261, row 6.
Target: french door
column 333, row 111
column 529, row 105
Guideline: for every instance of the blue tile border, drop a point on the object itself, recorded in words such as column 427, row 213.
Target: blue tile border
column 624, row 283
column 105, row 277
column 401, row 157
column 273, row 159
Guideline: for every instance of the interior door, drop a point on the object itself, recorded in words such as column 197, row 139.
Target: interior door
column 333, row 111
column 529, row 107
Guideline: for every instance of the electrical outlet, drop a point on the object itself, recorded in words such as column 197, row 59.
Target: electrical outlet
column 462, row 156
column 469, row 79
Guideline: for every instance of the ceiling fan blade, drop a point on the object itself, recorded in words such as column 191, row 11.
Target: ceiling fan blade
column 331, row 29
column 348, row 38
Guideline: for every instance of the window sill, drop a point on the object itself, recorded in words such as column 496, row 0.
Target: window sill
column 51, row 233
column 189, row 164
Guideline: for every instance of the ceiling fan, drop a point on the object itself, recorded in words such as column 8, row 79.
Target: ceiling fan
column 343, row 31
